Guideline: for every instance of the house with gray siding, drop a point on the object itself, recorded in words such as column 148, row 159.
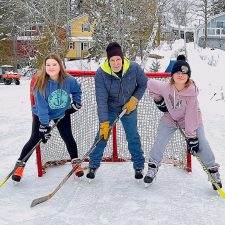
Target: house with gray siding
column 215, row 32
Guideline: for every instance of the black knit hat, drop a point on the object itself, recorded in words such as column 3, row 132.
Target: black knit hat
column 181, row 57
column 181, row 66
column 114, row 49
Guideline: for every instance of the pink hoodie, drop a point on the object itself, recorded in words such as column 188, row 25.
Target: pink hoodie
column 182, row 105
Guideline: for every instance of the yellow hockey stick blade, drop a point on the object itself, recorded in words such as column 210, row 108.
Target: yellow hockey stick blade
column 1, row 184
column 221, row 192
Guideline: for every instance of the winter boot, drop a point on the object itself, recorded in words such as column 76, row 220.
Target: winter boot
column 151, row 173
column 214, row 171
column 138, row 173
column 79, row 171
column 91, row 173
column 18, row 173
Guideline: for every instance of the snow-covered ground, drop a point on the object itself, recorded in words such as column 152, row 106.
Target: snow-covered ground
column 114, row 197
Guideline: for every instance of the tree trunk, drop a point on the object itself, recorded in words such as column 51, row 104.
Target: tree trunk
column 206, row 25
column 149, row 45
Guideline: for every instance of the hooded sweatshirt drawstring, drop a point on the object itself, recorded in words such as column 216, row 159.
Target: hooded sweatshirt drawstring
column 174, row 99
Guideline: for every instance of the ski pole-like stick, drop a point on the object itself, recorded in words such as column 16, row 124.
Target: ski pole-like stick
column 213, row 96
column 28, row 154
column 219, row 189
column 49, row 196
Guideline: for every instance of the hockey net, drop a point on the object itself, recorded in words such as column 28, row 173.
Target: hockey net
column 85, row 125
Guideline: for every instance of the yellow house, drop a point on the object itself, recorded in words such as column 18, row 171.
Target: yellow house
column 80, row 37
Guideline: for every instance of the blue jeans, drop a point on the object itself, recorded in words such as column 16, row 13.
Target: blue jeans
column 129, row 123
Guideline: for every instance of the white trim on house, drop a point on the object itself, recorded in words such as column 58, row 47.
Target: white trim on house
column 81, row 39
column 212, row 32
column 28, row 38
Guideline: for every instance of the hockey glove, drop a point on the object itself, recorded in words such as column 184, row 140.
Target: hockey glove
column 131, row 105
column 44, row 133
column 161, row 105
column 193, row 145
column 73, row 108
column 104, row 130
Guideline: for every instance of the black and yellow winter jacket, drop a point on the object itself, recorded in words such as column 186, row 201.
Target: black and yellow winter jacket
column 113, row 92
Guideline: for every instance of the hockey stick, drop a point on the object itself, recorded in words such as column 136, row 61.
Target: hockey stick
column 213, row 96
column 49, row 196
column 28, row 154
column 219, row 189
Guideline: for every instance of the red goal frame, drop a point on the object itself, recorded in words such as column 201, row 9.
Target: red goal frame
column 114, row 157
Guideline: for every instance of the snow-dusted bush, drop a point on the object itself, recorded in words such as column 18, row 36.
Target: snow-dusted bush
column 202, row 56
column 208, row 55
column 213, row 60
column 155, row 66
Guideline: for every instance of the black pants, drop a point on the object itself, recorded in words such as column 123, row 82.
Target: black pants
column 64, row 128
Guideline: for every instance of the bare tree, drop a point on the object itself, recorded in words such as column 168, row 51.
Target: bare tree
column 218, row 6
column 204, row 11
column 161, row 7
column 126, row 21
column 10, row 24
column 48, row 17
column 183, row 12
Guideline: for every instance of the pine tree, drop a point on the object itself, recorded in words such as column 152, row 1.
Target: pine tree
column 155, row 67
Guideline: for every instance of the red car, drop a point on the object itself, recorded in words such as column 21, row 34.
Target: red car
column 8, row 75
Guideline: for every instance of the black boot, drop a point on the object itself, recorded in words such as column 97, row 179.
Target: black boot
column 138, row 173
column 91, row 173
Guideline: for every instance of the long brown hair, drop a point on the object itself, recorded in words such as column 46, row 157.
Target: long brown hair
column 42, row 77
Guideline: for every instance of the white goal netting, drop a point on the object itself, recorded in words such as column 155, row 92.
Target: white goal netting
column 85, row 126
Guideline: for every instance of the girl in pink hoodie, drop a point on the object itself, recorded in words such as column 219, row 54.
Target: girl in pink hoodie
column 178, row 100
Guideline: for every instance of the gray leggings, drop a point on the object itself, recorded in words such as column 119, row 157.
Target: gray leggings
column 165, row 132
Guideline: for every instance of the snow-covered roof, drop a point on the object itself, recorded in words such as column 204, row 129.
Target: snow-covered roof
column 217, row 15
column 211, row 18
column 6, row 66
column 182, row 28
column 78, row 17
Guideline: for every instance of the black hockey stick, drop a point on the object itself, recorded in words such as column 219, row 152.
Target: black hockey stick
column 49, row 196
column 219, row 189
column 28, row 154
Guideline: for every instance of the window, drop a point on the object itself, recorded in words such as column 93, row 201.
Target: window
column 220, row 24
column 86, row 27
column 84, row 46
column 211, row 31
column 69, row 29
column 218, row 31
column 71, row 45
column 31, row 31
column 27, row 33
